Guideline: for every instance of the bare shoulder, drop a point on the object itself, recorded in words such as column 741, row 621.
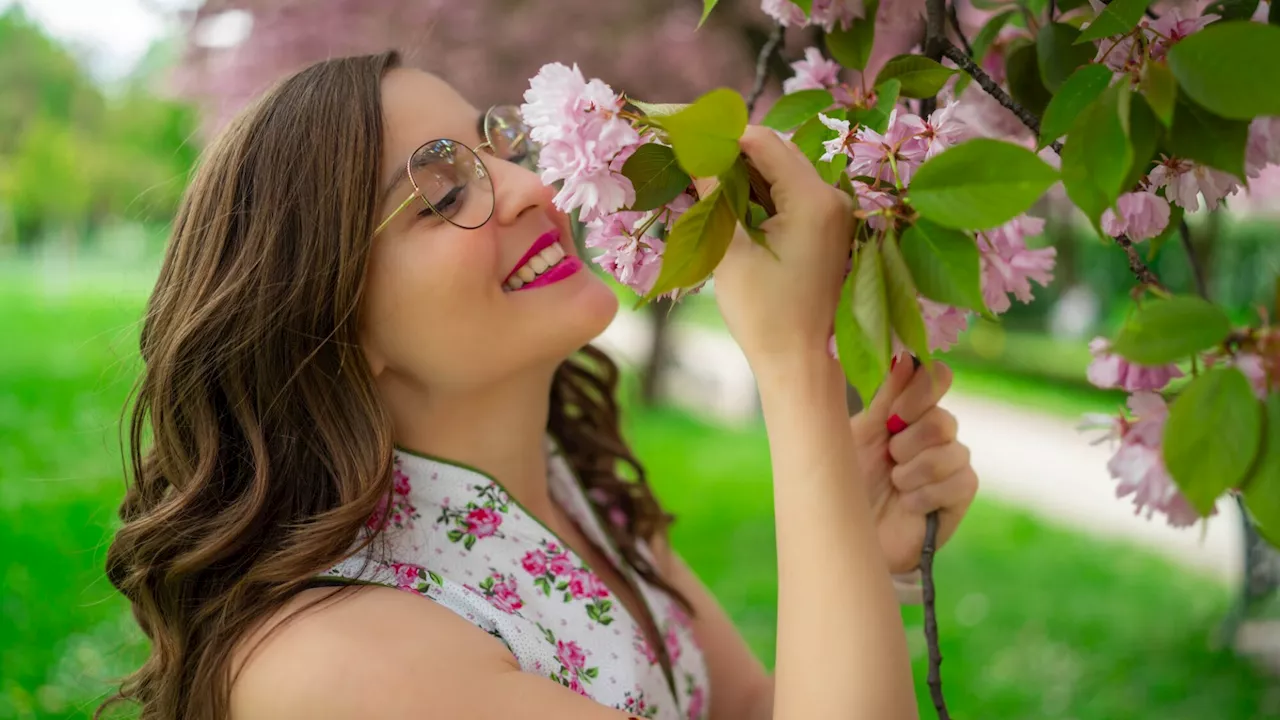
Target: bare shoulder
column 359, row 652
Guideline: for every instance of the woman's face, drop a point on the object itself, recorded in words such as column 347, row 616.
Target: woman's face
column 441, row 310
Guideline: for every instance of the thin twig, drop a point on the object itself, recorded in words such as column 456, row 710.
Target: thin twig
column 1136, row 265
column 1053, row 10
column 762, row 66
column 1197, row 272
column 954, row 54
column 931, row 615
column 954, row 17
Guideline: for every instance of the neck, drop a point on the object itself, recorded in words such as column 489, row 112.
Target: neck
column 499, row 428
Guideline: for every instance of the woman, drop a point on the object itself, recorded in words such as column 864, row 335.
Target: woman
column 386, row 478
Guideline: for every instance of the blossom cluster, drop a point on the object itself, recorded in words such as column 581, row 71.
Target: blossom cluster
column 586, row 139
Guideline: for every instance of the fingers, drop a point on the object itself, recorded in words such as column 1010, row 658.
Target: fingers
column 882, row 404
column 777, row 160
column 936, row 428
column 925, row 390
column 951, row 498
column 930, row 466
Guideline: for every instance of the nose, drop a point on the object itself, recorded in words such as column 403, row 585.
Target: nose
column 517, row 191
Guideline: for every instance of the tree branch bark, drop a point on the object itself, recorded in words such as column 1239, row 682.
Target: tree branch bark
column 762, row 66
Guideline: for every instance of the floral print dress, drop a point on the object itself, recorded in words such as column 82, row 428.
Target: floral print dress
column 455, row 536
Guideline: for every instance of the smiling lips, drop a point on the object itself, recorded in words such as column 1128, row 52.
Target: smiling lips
column 544, row 263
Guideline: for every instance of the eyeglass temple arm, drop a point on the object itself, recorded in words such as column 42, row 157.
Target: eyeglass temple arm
column 395, row 212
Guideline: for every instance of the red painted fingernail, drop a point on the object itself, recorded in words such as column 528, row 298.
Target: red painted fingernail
column 895, row 425
column 893, row 363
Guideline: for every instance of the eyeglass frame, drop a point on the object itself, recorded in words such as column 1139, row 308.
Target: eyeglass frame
column 417, row 192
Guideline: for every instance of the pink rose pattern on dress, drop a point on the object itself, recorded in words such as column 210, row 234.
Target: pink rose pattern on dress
column 395, row 510
column 553, row 568
column 501, row 592
column 573, row 673
column 519, row 567
column 479, row 519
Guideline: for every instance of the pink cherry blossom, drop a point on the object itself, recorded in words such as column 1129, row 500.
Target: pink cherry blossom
column 1143, row 215
column 1112, row 371
column 1008, row 266
column 944, row 129
column 1264, row 145
column 785, row 13
column 1128, row 55
column 829, row 13
column 814, row 72
column 1255, row 369
column 1139, row 462
column 943, row 324
column 483, row 522
column 1184, row 181
column 571, row 655
column 871, row 199
column 577, row 122
column 534, row 562
column 902, row 141
column 843, row 138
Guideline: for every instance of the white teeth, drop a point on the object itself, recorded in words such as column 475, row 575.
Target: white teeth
column 534, row 266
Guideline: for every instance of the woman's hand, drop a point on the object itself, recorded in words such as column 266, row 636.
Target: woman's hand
column 781, row 305
column 911, row 461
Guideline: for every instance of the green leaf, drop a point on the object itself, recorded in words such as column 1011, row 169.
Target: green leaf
column 1232, row 9
column 870, row 302
column 737, row 188
column 945, row 264
column 833, row 168
column 1057, row 55
column 1207, row 138
column 1077, row 92
column 864, row 362
column 1262, row 491
column 982, row 42
column 469, row 542
column 796, row 108
column 655, row 110
column 1160, row 88
column 705, row 134
column 707, row 7
column 1096, row 157
column 904, row 305
column 1229, row 68
column 1145, row 132
column 656, row 175
column 852, row 47
column 845, row 184
column 1212, row 435
column 1273, row 13
column 810, row 136
column 805, row 5
column 1170, row 330
column 1022, row 73
column 877, row 118
column 920, row 76
column 696, row 244
column 1118, row 18
column 979, row 184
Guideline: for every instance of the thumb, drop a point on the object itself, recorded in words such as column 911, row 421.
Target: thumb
column 899, row 377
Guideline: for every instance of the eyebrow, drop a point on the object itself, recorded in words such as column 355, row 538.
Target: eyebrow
column 403, row 173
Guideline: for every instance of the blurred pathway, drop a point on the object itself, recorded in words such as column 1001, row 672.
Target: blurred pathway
column 1034, row 460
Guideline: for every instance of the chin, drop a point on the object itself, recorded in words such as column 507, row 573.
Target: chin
column 595, row 309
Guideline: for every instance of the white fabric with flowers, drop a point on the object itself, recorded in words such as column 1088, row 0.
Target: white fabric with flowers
column 455, row 536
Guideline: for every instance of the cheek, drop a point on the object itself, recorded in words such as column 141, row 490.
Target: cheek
column 427, row 296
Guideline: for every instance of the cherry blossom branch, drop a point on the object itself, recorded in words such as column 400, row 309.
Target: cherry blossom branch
column 934, row 678
column 1136, row 265
column 762, row 66
column 954, row 17
column 966, row 63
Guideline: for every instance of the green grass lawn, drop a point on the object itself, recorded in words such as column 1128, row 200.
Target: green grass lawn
column 1036, row 621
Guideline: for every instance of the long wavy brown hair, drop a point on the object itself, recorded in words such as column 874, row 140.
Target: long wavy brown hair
column 258, row 447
